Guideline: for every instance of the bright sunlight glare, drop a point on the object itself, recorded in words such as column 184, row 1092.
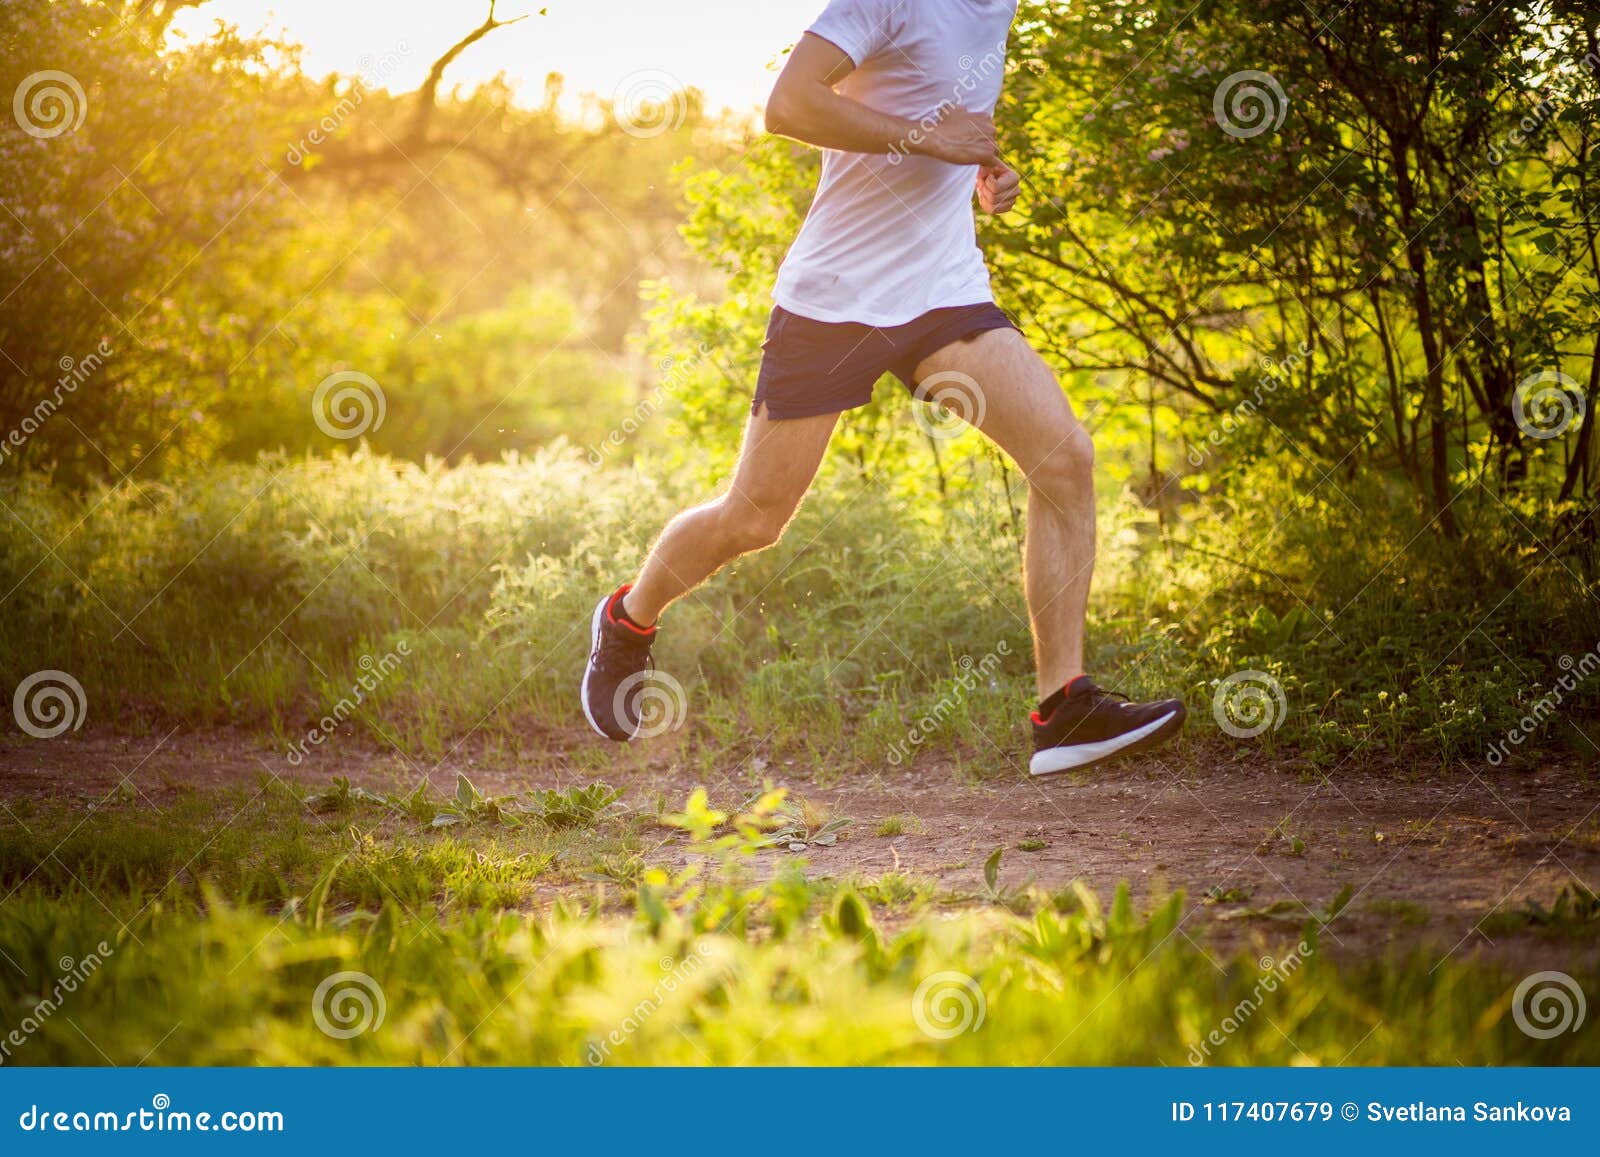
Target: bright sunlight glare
column 729, row 49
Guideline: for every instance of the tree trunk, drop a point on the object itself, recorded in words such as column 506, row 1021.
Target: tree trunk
column 1438, row 476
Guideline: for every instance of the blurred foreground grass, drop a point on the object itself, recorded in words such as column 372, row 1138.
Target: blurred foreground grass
column 265, row 928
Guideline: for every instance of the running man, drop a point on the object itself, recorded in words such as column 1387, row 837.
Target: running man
column 886, row 277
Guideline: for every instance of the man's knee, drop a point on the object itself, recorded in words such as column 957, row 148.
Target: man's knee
column 1066, row 469
column 747, row 525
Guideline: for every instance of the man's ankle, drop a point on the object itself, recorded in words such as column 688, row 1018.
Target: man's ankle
column 1050, row 700
column 628, row 613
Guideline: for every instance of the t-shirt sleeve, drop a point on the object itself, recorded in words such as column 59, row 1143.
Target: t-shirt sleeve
column 860, row 27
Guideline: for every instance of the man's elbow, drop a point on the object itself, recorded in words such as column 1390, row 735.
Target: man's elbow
column 780, row 113
column 786, row 111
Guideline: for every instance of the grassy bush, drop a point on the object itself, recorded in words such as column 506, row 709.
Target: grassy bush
column 262, row 594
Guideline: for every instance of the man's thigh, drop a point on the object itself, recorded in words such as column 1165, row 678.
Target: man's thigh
column 1000, row 384
column 779, row 459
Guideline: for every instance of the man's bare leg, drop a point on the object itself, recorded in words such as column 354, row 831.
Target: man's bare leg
column 1022, row 408
column 777, row 463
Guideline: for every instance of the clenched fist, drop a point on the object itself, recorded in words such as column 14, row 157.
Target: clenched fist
column 998, row 185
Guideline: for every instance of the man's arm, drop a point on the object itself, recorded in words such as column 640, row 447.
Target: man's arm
column 804, row 105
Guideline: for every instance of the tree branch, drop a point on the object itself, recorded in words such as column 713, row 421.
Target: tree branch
column 427, row 95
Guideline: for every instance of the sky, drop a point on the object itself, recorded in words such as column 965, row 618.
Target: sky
column 726, row 48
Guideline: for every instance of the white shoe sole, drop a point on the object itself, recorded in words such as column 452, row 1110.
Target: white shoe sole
column 588, row 668
column 1054, row 759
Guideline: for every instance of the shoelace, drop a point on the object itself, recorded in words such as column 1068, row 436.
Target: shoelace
column 1096, row 695
column 616, row 653
column 1104, row 693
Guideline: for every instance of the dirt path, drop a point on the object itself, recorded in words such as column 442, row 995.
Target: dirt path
column 1428, row 857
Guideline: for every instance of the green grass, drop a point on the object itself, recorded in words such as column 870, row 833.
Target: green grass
column 213, row 926
column 418, row 607
column 1575, row 915
column 897, row 825
column 331, row 604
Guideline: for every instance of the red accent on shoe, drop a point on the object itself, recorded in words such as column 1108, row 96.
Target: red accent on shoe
column 611, row 616
column 1034, row 715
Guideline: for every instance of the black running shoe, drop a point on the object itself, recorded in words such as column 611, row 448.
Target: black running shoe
column 619, row 660
column 1094, row 725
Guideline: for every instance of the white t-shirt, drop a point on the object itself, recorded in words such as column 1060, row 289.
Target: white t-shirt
column 890, row 237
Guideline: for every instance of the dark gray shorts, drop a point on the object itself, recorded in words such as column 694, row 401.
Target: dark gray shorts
column 822, row 367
